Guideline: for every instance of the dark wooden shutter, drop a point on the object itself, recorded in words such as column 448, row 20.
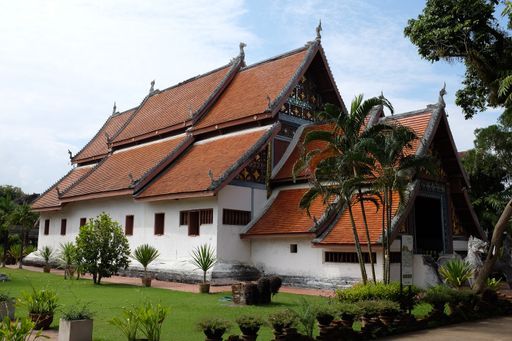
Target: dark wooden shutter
column 47, row 226
column 235, row 217
column 159, row 223
column 206, row 216
column 63, row 224
column 193, row 223
column 184, row 217
column 83, row 221
column 128, row 226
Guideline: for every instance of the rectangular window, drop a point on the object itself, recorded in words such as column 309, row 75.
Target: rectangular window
column 345, row 257
column 193, row 223
column 63, row 224
column 47, row 227
column 293, row 248
column 128, row 226
column 206, row 216
column 83, row 221
column 235, row 217
column 395, row 257
column 184, row 217
column 159, row 223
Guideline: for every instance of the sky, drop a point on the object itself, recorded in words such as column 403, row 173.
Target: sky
column 64, row 63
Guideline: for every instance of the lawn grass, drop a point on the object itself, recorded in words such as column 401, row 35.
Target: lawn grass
column 107, row 301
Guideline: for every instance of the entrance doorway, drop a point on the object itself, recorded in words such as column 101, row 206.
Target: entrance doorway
column 428, row 226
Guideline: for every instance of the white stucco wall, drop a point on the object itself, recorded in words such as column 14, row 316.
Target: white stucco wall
column 173, row 245
column 229, row 245
column 272, row 255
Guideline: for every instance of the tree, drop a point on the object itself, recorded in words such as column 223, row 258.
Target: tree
column 23, row 217
column 395, row 167
column 339, row 169
column 102, row 247
column 7, row 206
column 468, row 31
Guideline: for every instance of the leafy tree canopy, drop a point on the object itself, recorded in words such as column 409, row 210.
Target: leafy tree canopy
column 468, row 31
column 102, row 247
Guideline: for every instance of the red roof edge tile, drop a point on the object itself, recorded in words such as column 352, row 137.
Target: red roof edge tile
column 236, row 64
column 151, row 173
column 76, row 157
column 176, row 196
column 90, row 196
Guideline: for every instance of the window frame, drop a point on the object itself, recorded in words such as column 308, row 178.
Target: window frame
column 63, row 226
column 162, row 227
column 46, row 228
column 129, row 218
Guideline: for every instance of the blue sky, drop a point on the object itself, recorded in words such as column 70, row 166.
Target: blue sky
column 63, row 63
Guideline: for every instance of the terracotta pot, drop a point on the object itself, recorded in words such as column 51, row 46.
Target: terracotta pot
column 42, row 321
column 204, row 288
column 146, row 281
column 46, row 268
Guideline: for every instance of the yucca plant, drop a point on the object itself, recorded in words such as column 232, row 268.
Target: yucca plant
column 46, row 252
column 456, row 273
column 203, row 257
column 145, row 254
column 15, row 252
column 67, row 259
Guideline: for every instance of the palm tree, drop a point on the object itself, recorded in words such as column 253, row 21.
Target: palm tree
column 339, row 169
column 203, row 258
column 395, row 166
column 145, row 254
column 46, row 252
column 25, row 218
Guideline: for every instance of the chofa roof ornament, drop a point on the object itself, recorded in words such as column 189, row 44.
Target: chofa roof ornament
column 442, row 92
column 318, row 30
column 152, row 88
column 242, row 52
column 114, row 108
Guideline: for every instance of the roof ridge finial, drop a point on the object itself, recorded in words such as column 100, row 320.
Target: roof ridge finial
column 152, row 88
column 242, row 52
column 442, row 92
column 114, row 109
column 318, row 30
column 70, row 154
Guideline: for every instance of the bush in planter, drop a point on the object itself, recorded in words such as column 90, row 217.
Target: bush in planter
column 67, row 258
column 41, row 305
column 348, row 312
column 203, row 258
column 145, row 254
column 325, row 314
column 306, row 313
column 388, row 310
column 76, row 323
column 249, row 325
column 438, row 296
column 456, row 273
column 214, row 328
column 251, row 294
column 282, row 319
column 373, row 291
column 18, row 330
column 46, row 252
column 7, row 306
column 275, row 284
column 264, row 292
column 128, row 324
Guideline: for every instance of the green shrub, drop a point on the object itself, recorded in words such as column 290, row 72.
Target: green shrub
column 373, row 291
column 348, row 311
column 5, row 296
column 77, row 312
column 493, row 283
column 212, row 325
column 264, row 292
column 456, row 273
column 306, row 314
column 42, row 301
column 18, row 330
column 283, row 319
column 249, row 321
column 439, row 295
column 275, row 284
column 151, row 318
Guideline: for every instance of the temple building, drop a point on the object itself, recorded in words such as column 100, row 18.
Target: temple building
column 209, row 160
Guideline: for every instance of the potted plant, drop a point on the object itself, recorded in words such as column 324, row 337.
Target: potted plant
column 21, row 329
column 438, row 296
column 151, row 318
column 214, row 328
column 203, row 258
column 76, row 323
column 325, row 315
column 46, row 252
column 369, row 313
column 41, row 305
column 145, row 254
column 348, row 312
column 388, row 310
column 67, row 259
column 7, row 306
column 282, row 320
column 249, row 325
column 128, row 324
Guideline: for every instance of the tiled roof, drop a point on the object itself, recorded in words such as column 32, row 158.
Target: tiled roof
column 341, row 230
column 284, row 216
column 417, row 121
column 50, row 198
column 97, row 147
column 173, row 106
column 115, row 172
column 216, row 156
column 253, row 89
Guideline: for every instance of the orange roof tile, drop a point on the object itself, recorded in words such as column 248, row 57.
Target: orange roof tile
column 50, row 198
column 418, row 122
column 173, row 106
column 98, row 146
column 284, row 216
column 190, row 172
column 113, row 172
column 341, row 230
column 249, row 91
